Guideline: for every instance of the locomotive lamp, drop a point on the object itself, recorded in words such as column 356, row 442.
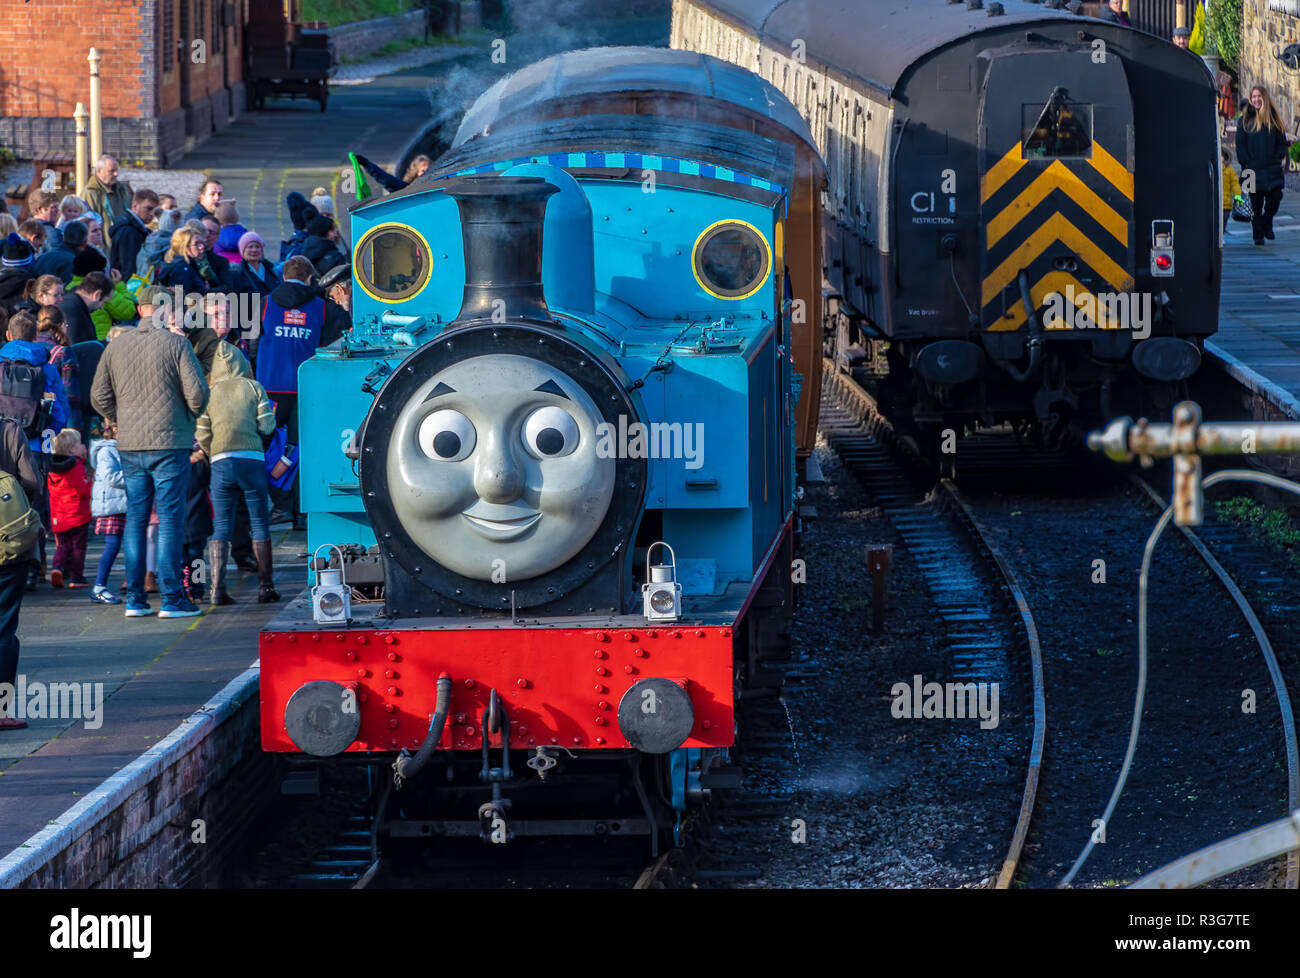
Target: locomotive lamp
column 1162, row 248
column 661, row 594
column 331, row 598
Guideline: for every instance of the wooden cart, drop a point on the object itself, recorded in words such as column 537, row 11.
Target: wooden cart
column 286, row 56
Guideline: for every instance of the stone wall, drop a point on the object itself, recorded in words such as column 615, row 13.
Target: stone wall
column 1266, row 32
column 362, row 38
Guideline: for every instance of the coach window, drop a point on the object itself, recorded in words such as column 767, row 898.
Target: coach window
column 392, row 262
column 1060, row 129
column 732, row 260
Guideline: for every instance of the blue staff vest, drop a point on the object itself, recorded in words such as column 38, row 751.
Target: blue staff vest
column 289, row 336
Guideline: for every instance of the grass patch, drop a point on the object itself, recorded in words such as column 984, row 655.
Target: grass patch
column 335, row 12
column 1270, row 527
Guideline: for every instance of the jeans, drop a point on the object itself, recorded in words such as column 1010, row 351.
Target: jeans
column 233, row 479
column 1265, row 204
column 112, row 544
column 155, row 480
column 13, row 577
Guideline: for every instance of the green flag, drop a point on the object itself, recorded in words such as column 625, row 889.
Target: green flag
column 363, row 188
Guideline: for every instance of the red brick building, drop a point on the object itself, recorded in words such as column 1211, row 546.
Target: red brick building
column 171, row 73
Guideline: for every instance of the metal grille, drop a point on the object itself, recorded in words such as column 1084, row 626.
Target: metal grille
column 1157, row 17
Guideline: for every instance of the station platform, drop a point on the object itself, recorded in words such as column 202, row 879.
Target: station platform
column 155, row 673
column 1258, row 341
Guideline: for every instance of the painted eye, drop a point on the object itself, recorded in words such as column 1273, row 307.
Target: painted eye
column 446, row 435
column 550, row 432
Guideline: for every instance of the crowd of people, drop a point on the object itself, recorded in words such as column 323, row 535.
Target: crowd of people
column 148, row 392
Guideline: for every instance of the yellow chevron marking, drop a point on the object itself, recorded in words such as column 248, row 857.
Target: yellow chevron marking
column 1057, row 177
column 1038, row 293
column 1112, row 169
column 1055, row 228
column 1000, row 172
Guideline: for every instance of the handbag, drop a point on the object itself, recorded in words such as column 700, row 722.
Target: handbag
column 1242, row 209
column 274, row 453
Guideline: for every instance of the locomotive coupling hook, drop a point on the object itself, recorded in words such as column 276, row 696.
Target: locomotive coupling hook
column 408, row 765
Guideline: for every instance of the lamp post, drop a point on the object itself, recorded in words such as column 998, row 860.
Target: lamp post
column 80, row 116
column 96, row 122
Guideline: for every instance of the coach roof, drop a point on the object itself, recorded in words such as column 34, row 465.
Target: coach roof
column 598, row 71
column 874, row 40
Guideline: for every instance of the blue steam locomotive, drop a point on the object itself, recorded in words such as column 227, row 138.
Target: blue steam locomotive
column 554, row 462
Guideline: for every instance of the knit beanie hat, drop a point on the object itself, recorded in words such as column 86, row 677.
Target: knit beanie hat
column 320, row 226
column 247, row 238
column 17, row 252
column 296, row 202
column 324, row 204
column 88, row 261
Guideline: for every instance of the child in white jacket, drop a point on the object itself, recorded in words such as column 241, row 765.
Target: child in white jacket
column 108, row 507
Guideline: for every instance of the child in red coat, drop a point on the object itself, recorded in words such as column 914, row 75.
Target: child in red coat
column 70, row 488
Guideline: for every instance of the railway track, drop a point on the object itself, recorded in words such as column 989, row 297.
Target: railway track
column 930, row 522
column 973, row 587
column 1256, row 572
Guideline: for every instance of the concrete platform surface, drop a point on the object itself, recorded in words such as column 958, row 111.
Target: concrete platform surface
column 1259, row 308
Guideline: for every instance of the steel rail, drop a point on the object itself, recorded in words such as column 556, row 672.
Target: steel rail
column 1261, row 637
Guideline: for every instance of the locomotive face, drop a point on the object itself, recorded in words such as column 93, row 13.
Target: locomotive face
column 493, row 470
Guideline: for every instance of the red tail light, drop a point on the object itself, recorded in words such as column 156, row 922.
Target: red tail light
column 1164, row 262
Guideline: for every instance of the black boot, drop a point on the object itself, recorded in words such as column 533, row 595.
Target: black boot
column 266, row 591
column 218, row 554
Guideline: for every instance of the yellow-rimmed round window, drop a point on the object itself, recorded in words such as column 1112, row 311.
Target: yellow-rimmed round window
column 732, row 260
column 392, row 262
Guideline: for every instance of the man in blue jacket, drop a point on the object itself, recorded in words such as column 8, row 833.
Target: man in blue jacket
column 293, row 327
column 22, row 347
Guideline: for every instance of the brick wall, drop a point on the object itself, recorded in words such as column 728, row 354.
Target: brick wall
column 145, row 839
column 43, row 73
column 1266, row 32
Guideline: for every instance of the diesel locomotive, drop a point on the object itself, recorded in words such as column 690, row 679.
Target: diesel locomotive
column 1022, row 210
column 550, row 473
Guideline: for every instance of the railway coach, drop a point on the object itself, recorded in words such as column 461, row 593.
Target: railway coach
column 1023, row 205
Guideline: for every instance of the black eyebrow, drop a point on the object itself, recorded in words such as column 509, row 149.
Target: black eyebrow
column 439, row 391
column 550, row 387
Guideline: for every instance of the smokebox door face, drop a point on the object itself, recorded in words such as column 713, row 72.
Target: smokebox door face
column 493, row 468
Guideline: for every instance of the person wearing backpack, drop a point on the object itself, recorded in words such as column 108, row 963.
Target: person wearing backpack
column 31, row 393
column 20, row 485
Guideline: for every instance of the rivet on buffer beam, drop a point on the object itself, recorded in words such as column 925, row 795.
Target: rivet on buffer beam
column 1186, row 440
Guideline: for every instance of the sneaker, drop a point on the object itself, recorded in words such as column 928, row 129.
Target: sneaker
column 12, row 723
column 137, row 609
column 180, row 609
column 56, row 578
column 104, row 596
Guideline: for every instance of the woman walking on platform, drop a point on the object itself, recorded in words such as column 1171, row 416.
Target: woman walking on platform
column 1261, row 148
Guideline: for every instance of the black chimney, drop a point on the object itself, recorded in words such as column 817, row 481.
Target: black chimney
column 501, row 220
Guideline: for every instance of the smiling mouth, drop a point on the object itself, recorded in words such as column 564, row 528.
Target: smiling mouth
column 501, row 522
